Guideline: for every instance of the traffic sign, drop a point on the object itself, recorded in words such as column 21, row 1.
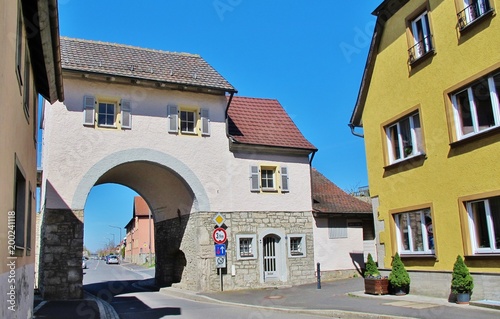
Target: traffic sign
column 220, row 250
column 219, row 219
column 219, row 235
column 220, row 262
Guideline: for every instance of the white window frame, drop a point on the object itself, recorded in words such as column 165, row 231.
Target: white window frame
column 302, row 252
column 182, row 121
column 489, row 225
column 416, row 140
column 425, row 238
column 266, row 178
column 472, row 105
column 115, row 106
column 426, row 41
column 253, row 243
column 469, row 7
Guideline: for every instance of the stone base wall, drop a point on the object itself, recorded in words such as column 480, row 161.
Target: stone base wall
column 61, row 251
column 17, row 296
column 186, row 257
column 339, row 274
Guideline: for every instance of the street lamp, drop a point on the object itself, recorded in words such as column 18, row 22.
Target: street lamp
column 121, row 238
column 113, row 239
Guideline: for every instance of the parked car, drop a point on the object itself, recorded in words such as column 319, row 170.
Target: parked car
column 112, row 259
column 84, row 263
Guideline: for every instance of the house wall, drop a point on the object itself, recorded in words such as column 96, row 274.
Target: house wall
column 137, row 250
column 338, row 257
column 228, row 191
column 448, row 171
column 181, row 177
column 18, row 147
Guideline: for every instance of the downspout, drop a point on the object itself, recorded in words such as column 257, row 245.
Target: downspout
column 312, row 157
column 227, row 111
column 353, row 132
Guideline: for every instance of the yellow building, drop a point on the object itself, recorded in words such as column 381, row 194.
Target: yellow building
column 428, row 108
column 29, row 65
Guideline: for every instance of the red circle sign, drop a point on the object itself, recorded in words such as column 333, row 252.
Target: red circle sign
column 219, row 235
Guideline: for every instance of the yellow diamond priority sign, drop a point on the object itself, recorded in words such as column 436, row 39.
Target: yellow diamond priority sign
column 219, row 219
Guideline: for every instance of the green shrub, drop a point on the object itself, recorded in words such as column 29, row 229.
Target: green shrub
column 371, row 268
column 399, row 276
column 462, row 281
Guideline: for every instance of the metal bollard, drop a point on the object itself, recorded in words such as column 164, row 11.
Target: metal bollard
column 318, row 271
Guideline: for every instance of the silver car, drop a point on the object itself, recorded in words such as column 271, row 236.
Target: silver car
column 84, row 263
column 112, row 259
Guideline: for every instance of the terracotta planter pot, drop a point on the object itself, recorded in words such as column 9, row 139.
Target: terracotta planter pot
column 376, row 286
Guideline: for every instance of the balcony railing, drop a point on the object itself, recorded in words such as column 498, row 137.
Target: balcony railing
column 472, row 13
column 420, row 49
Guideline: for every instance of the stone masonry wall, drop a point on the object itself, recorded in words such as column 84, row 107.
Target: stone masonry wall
column 61, row 249
column 185, row 246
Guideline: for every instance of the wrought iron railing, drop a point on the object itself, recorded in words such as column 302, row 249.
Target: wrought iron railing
column 472, row 13
column 420, row 49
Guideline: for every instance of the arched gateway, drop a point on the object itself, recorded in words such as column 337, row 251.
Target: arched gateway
column 161, row 124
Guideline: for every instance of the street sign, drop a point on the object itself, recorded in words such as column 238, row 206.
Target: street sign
column 220, row 262
column 220, row 250
column 219, row 235
column 219, row 219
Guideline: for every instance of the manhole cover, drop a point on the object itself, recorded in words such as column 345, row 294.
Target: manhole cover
column 274, row 297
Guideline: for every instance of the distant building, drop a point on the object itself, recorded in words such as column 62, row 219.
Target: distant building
column 343, row 229
column 140, row 240
column 429, row 110
column 30, row 65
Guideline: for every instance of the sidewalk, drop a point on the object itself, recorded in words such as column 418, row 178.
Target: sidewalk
column 340, row 299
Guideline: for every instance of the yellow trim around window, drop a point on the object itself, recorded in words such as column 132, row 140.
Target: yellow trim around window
column 197, row 127
column 112, row 100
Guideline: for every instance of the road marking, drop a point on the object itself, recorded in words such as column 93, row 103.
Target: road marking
column 411, row 304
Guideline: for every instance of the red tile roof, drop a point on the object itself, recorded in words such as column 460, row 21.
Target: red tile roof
column 264, row 122
column 329, row 198
column 139, row 63
column 141, row 208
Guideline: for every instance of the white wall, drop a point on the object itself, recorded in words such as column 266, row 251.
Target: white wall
column 335, row 254
column 71, row 150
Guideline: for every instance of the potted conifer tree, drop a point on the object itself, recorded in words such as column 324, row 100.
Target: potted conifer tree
column 399, row 278
column 462, row 282
column 375, row 283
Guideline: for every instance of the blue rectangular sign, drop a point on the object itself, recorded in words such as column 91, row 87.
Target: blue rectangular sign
column 220, row 250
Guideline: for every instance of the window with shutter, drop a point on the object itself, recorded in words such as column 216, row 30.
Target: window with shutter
column 284, row 179
column 88, row 110
column 254, row 179
column 205, row 122
column 173, row 119
column 126, row 114
column 337, row 227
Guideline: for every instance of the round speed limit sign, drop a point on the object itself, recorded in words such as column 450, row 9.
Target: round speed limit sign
column 219, row 235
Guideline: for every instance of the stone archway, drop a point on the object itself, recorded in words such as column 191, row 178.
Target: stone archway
column 172, row 192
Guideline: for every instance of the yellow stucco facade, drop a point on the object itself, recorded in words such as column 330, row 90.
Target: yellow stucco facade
column 443, row 175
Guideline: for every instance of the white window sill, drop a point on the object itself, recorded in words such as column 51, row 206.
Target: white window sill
column 476, row 135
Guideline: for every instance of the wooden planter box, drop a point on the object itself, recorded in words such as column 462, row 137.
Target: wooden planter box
column 376, row 286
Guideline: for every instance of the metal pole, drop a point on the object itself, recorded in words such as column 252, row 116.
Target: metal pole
column 149, row 227
column 318, row 271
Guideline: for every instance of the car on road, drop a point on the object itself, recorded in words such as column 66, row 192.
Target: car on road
column 112, row 259
column 84, row 263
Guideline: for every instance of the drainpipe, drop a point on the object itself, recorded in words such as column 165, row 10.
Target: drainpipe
column 353, row 132
column 227, row 111
column 312, row 157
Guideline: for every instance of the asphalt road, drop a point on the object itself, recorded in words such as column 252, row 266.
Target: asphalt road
column 117, row 285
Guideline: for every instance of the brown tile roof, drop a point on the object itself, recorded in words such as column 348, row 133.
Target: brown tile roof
column 139, row 63
column 141, row 208
column 329, row 198
column 264, row 122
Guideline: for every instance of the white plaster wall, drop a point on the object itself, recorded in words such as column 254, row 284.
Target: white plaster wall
column 71, row 150
column 334, row 254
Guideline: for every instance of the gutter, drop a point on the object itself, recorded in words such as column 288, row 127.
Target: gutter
column 352, row 126
column 56, row 47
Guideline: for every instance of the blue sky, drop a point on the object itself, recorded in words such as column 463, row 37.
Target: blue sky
column 309, row 56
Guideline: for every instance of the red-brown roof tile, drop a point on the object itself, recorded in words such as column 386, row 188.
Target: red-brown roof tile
column 329, row 198
column 259, row 121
